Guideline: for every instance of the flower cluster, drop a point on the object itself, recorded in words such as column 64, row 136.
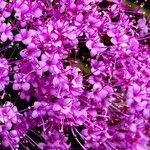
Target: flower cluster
column 4, row 71
column 80, row 70
column 11, row 129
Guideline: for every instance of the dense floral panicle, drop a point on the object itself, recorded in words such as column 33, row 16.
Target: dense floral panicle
column 56, row 140
column 11, row 129
column 5, row 9
column 5, row 31
column 25, row 10
column 4, row 73
column 25, row 36
column 25, row 72
column 80, row 70
column 31, row 51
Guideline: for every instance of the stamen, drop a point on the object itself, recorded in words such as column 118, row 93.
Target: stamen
column 80, row 134
column 31, row 140
column 75, row 136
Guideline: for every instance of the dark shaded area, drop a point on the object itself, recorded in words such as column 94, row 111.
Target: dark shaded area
column 147, row 4
column 115, row 19
column 72, row 140
column 106, row 40
column 34, row 134
column 105, row 4
column 83, row 52
column 11, row 52
column 73, row 54
column 13, row 96
column 11, row 18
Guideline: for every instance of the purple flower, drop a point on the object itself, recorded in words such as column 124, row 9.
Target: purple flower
column 5, row 31
column 9, row 118
column 25, row 36
column 74, row 71
column 31, row 51
column 4, row 70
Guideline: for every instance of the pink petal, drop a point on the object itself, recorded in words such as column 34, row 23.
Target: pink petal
column 72, row 36
column 24, row 8
column 31, row 32
column 93, row 52
column 2, row 87
column 56, row 107
column 27, row 41
column 130, row 92
column 3, row 37
column 18, row 37
column 9, row 35
column 114, row 40
column 103, row 93
column 133, row 127
column 6, row 14
column 16, row 86
column 58, row 43
column 25, row 86
column 110, row 33
column 50, row 28
column 23, row 32
column 2, row 4
column 45, row 57
column 89, row 44
column 79, row 17
column 38, row 13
